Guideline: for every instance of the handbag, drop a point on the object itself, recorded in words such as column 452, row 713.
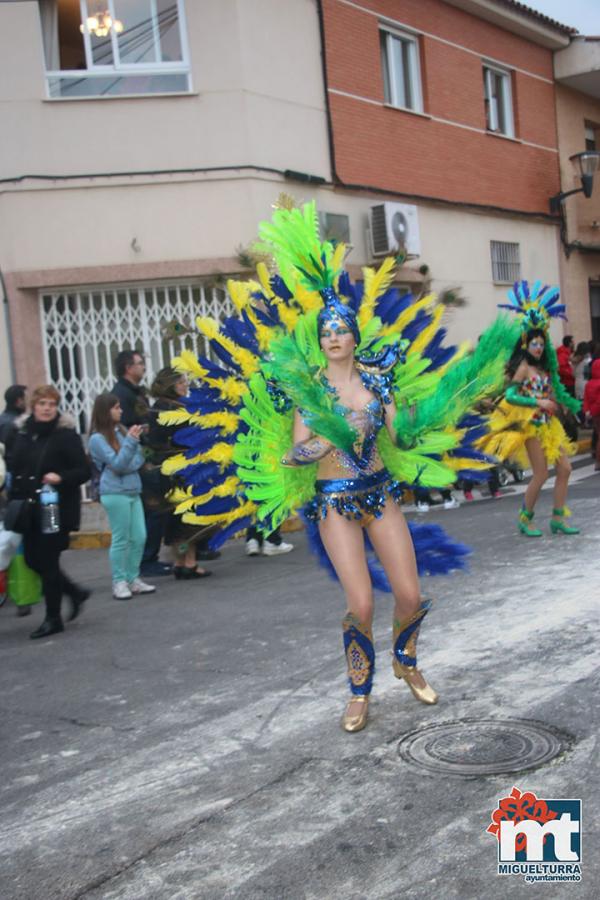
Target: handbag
column 19, row 515
column 19, row 511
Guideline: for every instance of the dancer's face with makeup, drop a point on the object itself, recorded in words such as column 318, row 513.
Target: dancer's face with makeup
column 536, row 346
column 337, row 340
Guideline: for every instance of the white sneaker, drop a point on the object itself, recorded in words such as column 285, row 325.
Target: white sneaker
column 422, row 506
column 252, row 547
column 137, row 586
column 121, row 590
column 452, row 503
column 270, row 549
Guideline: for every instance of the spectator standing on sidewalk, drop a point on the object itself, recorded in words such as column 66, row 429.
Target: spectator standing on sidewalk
column 117, row 455
column 564, row 354
column 130, row 367
column 45, row 449
column 591, row 405
column 16, row 404
column 169, row 389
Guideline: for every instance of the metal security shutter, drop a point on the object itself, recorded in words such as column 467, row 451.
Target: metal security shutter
column 83, row 330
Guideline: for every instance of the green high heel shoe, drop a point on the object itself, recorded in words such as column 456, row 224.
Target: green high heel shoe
column 525, row 518
column 558, row 526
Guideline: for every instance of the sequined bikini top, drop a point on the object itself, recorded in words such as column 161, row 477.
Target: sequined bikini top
column 367, row 423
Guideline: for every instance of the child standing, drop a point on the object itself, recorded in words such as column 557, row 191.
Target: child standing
column 118, row 457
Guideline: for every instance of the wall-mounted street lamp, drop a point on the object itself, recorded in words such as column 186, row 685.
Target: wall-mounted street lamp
column 587, row 164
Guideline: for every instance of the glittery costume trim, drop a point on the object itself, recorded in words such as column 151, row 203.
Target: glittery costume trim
column 360, row 654
column 360, row 499
column 406, row 634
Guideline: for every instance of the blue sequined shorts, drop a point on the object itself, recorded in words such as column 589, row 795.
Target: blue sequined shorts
column 360, row 499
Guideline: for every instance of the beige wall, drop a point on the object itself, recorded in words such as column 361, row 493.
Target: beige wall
column 574, row 110
column 258, row 99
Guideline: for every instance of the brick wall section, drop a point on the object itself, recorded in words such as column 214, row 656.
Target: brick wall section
column 399, row 151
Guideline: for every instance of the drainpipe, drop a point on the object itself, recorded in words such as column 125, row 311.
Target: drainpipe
column 6, row 316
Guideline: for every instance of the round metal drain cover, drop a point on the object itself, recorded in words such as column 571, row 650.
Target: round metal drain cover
column 483, row 746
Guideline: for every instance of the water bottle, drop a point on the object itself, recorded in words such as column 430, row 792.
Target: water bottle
column 50, row 513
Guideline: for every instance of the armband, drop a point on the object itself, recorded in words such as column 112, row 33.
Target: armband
column 514, row 396
column 307, row 452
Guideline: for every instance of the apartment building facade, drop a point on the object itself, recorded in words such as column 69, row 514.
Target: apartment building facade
column 577, row 71
column 137, row 163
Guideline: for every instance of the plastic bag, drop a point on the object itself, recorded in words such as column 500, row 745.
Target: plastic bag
column 24, row 585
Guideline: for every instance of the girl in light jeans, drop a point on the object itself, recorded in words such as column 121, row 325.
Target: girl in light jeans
column 118, row 457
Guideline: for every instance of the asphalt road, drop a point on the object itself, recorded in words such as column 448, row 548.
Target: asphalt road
column 187, row 744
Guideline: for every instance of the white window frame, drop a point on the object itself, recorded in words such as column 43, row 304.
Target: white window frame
column 505, row 75
column 505, row 254
column 414, row 94
column 95, row 70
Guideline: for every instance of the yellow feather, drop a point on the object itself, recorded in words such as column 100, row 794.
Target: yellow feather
column 427, row 334
column 174, row 416
column 337, row 261
column 247, row 361
column 407, row 316
column 229, row 488
column 248, row 509
column 239, row 291
column 264, row 278
column 308, row 300
column 187, row 363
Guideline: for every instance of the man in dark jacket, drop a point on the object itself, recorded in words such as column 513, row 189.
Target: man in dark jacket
column 14, row 397
column 131, row 368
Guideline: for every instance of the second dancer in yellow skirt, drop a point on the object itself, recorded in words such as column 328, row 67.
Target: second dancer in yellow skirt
column 525, row 426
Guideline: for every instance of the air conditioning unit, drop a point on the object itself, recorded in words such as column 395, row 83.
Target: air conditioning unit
column 394, row 227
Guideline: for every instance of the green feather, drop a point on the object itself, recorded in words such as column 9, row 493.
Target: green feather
column 462, row 386
column 289, row 369
column 278, row 491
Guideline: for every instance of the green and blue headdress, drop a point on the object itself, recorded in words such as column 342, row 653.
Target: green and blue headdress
column 536, row 305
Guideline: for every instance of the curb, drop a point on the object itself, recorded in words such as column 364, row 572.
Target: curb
column 100, row 540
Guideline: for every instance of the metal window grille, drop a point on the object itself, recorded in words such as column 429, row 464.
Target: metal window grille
column 83, row 330
column 506, row 262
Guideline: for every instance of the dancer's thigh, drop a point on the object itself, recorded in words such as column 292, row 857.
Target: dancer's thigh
column 536, row 457
column 393, row 544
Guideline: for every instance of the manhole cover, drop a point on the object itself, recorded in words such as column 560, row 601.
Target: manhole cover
column 483, row 746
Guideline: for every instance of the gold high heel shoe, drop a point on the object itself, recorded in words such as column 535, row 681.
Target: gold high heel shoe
column 357, row 721
column 425, row 694
column 404, row 662
column 360, row 657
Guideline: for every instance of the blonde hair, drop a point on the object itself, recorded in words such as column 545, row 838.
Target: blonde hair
column 44, row 392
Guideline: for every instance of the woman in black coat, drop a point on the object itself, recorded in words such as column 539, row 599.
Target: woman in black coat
column 46, row 449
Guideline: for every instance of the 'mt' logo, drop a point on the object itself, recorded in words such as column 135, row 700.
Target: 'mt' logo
column 532, row 830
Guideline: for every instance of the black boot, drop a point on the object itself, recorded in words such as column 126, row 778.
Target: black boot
column 48, row 627
column 77, row 599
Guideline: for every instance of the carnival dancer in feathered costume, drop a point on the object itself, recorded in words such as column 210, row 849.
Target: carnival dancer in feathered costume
column 525, row 426
column 332, row 397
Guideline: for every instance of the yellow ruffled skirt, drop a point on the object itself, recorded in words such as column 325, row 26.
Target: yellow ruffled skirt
column 511, row 426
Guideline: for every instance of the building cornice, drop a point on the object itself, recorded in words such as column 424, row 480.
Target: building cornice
column 519, row 19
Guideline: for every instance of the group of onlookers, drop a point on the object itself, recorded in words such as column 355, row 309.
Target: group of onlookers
column 579, row 371
column 126, row 449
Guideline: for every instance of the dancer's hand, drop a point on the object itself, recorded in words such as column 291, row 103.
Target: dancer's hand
column 548, row 406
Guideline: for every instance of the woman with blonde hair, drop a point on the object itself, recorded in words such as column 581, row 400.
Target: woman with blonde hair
column 45, row 450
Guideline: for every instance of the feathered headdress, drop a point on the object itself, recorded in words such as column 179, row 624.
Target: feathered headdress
column 536, row 305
